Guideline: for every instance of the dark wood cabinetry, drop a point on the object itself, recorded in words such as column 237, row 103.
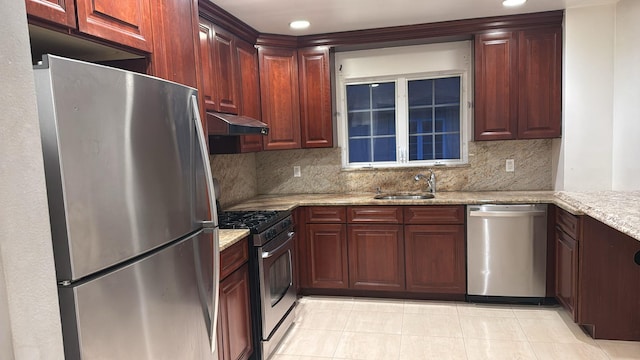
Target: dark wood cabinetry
column 279, row 94
column 566, row 265
column 295, row 87
column 234, row 319
column 609, row 282
column 62, row 12
column 435, row 259
column 219, row 67
column 496, row 83
column 395, row 249
column 127, row 24
column 434, row 249
column 327, row 256
column 376, row 257
column 316, row 125
column 518, row 84
column 249, row 80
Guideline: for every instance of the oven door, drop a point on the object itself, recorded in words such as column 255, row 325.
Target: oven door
column 277, row 290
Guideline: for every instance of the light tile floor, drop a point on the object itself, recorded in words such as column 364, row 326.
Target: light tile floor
column 369, row 329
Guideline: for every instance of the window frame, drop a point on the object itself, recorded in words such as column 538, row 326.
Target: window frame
column 402, row 118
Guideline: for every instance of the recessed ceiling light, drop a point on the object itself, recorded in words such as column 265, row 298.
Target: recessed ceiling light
column 299, row 24
column 513, row 2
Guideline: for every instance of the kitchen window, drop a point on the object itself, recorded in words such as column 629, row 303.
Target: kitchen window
column 404, row 120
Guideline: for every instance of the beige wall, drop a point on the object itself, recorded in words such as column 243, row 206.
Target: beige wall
column 236, row 175
column 26, row 255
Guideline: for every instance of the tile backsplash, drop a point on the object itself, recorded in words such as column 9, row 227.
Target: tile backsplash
column 271, row 172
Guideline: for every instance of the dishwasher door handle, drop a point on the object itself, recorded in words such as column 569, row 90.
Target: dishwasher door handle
column 481, row 213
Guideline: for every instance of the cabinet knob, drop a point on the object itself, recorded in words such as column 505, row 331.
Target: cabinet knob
column 636, row 258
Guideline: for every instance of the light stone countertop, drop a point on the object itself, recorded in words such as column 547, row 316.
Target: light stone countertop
column 620, row 210
column 229, row 237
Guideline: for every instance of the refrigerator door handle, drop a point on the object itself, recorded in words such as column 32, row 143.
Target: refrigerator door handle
column 211, row 224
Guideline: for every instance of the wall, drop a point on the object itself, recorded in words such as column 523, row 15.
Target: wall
column 236, row 175
column 321, row 171
column 585, row 152
column 26, row 255
column 626, row 93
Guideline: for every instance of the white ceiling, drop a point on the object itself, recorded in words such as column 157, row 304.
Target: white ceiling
column 274, row 16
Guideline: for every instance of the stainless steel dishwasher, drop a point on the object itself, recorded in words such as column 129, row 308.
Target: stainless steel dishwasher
column 506, row 252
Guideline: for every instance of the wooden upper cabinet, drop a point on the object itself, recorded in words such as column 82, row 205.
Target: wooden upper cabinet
column 315, row 97
column 518, row 84
column 61, row 12
column 496, row 83
column 280, row 97
column 540, row 74
column 249, row 80
column 206, row 63
column 128, row 22
column 224, row 67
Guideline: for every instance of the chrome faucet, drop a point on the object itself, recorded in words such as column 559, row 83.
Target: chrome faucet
column 431, row 180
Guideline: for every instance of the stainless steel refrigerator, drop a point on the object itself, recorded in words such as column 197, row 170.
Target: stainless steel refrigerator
column 133, row 216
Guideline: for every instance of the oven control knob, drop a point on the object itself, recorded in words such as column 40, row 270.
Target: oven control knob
column 286, row 223
column 271, row 233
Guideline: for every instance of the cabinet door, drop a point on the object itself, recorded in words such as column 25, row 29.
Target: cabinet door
column 327, row 256
column 435, row 259
column 206, row 64
column 224, row 67
column 280, row 97
column 376, row 257
column 609, row 282
column 566, row 271
column 61, row 12
column 540, row 67
column 315, row 97
column 496, row 86
column 128, row 23
column 234, row 315
column 249, row 80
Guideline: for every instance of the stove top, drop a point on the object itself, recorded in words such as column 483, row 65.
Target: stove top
column 256, row 221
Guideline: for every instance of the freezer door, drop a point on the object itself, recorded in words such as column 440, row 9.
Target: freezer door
column 157, row 308
column 119, row 162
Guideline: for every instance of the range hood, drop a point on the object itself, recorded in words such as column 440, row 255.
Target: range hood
column 228, row 124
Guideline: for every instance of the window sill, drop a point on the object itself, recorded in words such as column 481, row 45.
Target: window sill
column 406, row 167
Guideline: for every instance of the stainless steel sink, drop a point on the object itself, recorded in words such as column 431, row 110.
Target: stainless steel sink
column 404, row 196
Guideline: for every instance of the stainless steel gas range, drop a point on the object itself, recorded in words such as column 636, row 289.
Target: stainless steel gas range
column 273, row 292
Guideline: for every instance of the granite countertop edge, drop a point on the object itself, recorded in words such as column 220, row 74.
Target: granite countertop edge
column 618, row 209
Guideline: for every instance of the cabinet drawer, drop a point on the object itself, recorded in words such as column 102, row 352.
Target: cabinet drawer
column 326, row 214
column 568, row 223
column 434, row 215
column 375, row 214
column 233, row 257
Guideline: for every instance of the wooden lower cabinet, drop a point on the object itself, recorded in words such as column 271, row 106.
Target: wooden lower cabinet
column 566, row 271
column 234, row 313
column 327, row 256
column 609, row 282
column 376, row 257
column 435, row 258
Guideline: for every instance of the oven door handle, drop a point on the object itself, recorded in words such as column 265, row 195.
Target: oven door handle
column 268, row 254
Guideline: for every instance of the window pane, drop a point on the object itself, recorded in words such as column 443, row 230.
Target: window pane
column 359, row 150
column 420, row 121
column 448, row 90
column 359, row 124
column 384, row 149
column 448, row 119
column 358, row 97
column 420, row 92
column 383, row 95
column 448, row 146
column 420, row 147
column 384, row 122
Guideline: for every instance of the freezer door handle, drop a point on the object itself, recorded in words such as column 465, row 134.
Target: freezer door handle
column 506, row 213
column 211, row 224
